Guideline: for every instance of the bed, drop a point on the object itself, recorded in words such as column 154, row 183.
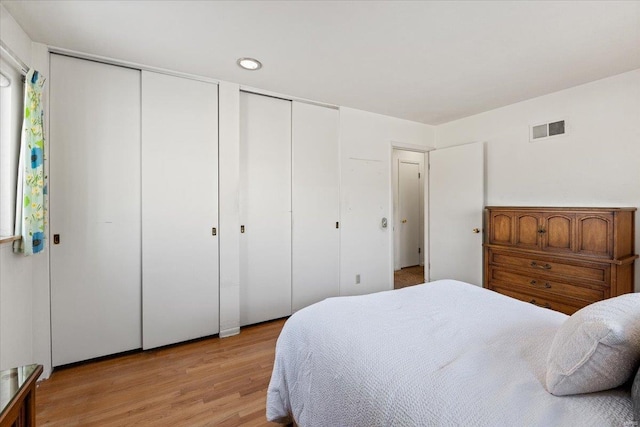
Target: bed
column 441, row 353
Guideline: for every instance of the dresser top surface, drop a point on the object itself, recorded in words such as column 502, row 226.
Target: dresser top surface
column 560, row 208
column 12, row 380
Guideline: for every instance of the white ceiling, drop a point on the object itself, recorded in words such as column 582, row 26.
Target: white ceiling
column 430, row 62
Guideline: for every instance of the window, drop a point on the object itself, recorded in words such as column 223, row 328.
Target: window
column 11, row 100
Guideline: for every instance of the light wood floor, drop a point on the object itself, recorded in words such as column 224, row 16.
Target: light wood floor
column 212, row 382
column 408, row 276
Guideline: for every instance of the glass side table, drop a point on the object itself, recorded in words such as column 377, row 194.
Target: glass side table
column 18, row 396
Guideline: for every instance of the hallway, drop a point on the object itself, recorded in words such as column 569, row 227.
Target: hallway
column 408, row 276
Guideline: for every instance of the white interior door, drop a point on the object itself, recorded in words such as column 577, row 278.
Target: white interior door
column 179, row 209
column 94, row 209
column 265, row 208
column 456, row 191
column 316, row 205
column 409, row 210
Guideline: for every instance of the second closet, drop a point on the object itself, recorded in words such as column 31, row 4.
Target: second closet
column 289, row 206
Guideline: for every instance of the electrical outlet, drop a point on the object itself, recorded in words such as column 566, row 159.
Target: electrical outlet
column 357, row 279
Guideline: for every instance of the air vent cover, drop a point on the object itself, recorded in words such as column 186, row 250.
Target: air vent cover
column 547, row 130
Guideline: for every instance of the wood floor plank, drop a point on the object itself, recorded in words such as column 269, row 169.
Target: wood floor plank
column 210, row 382
column 408, row 276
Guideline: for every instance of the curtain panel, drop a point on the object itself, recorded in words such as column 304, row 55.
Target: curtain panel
column 31, row 194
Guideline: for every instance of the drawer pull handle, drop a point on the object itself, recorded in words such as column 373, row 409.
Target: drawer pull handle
column 545, row 305
column 544, row 267
column 535, row 283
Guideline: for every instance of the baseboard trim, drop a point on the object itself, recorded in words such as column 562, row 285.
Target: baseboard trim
column 229, row 332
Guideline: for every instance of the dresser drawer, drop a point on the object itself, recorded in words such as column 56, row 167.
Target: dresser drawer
column 594, row 272
column 558, row 304
column 543, row 285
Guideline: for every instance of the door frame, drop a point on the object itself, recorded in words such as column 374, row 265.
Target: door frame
column 397, row 145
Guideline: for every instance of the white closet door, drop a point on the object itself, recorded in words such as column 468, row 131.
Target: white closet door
column 265, row 208
column 179, row 209
column 316, row 205
column 95, row 209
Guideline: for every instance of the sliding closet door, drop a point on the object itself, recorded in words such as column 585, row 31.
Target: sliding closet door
column 179, row 209
column 265, row 208
column 316, row 205
column 94, row 209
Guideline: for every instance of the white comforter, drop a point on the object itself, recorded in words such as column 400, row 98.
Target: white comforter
column 442, row 353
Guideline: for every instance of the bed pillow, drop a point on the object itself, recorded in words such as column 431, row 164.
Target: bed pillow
column 597, row 348
column 635, row 395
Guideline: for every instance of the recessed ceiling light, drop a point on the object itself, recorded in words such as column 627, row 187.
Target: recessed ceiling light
column 249, row 64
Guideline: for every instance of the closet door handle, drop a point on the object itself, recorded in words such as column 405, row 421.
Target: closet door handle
column 536, row 265
column 242, row 228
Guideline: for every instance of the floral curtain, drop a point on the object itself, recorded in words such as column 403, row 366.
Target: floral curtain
column 31, row 201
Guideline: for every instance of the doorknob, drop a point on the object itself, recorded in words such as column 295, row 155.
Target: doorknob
column 404, row 220
column 476, row 230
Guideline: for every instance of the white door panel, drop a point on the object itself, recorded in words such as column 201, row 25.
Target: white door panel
column 456, row 192
column 265, row 208
column 95, row 209
column 409, row 210
column 316, row 205
column 179, row 209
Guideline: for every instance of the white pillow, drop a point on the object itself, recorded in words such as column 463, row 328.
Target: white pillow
column 597, row 348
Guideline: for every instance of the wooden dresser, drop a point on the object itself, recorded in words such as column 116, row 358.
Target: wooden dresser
column 559, row 258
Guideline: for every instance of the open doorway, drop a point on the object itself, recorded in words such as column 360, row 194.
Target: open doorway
column 408, row 182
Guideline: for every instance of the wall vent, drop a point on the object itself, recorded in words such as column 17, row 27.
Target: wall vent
column 545, row 131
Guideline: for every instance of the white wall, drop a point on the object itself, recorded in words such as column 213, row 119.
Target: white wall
column 596, row 164
column 16, row 309
column 365, row 154
column 14, row 36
